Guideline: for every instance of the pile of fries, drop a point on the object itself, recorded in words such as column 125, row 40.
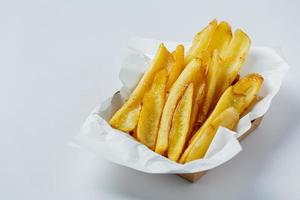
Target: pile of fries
column 181, row 100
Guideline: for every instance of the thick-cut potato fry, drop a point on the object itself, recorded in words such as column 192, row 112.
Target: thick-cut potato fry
column 177, row 67
column 250, row 107
column 192, row 73
column 205, row 57
column 211, row 82
column 221, row 38
column 201, row 41
column 170, row 63
column 243, row 94
column 227, row 119
column 245, row 91
column 131, row 118
column 126, row 117
column 196, row 105
column 180, row 124
column 233, row 58
column 238, row 96
column 199, row 89
column 221, row 106
column 152, row 107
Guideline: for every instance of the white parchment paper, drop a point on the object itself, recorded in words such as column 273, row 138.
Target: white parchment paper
column 98, row 136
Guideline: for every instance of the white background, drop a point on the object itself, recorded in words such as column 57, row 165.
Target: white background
column 59, row 59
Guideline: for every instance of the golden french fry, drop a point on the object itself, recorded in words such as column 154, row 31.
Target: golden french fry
column 152, row 107
column 192, row 73
column 199, row 89
column 238, row 96
column 211, row 82
column 233, row 58
column 201, row 41
column 250, row 107
column 197, row 102
column 246, row 90
column 227, row 119
column 221, row 106
column 170, row 63
column 126, row 117
column 221, row 38
column 180, row 124
column 131, row 119
column 177, row 67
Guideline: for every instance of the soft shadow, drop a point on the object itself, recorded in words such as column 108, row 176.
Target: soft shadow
column 231, row 180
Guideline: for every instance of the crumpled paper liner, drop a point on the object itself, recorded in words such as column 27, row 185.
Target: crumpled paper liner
column 98, row 136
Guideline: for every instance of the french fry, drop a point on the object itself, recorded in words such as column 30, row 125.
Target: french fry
column 199, row 93
column 170, row 63
column 126, row 117
column 227, row 119
column 221, row 106
column 192, row 73
column 234, row 57
column 131, row 119
column 180, row 124
column 177, row 67
column 196, row 105
column 211, row 82
column 238, row 96
column 221, row 38
column 152, row 107
column 250, row 107
column 201, row 41
column 245, row 91
column 199, row 89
